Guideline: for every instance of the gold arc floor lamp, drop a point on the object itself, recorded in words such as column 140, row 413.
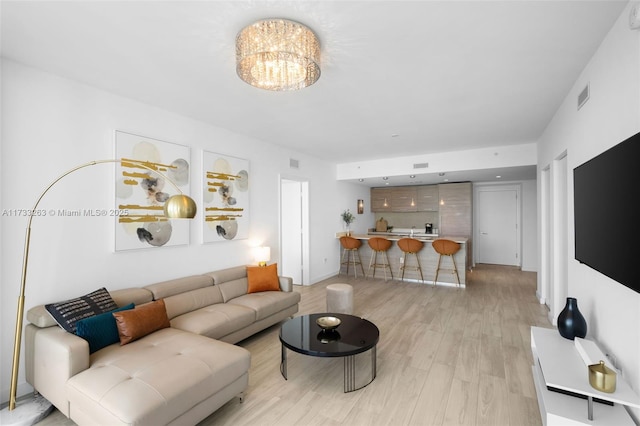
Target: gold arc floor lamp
column 178, row 206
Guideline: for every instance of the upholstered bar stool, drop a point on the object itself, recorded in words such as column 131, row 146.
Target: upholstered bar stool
column 351, row 246
column 449, row 248
column 379, row 245
column 410, row 246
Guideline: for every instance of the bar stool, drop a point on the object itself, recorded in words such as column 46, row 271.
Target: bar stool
column 410, row 246
column 380, row 245
column 351, row 246
column 446, row 247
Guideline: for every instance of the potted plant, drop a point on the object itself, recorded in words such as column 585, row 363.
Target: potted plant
column 347, row 218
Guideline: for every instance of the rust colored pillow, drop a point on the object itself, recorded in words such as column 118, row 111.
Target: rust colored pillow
column 263, row 278
column 143, row 320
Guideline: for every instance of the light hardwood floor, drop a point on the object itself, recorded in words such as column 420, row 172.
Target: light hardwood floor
column 445, row 357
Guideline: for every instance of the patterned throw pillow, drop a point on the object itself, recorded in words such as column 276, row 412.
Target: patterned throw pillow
column 100, row 331
column 69, row 312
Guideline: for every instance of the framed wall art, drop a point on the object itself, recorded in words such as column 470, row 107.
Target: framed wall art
column 225, row 199
column 141, row 193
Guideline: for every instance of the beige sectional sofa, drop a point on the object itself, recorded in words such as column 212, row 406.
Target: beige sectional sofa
column 176, row 375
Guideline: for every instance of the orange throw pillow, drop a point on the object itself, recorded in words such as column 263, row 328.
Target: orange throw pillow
column 263, row 278
column 143, row 320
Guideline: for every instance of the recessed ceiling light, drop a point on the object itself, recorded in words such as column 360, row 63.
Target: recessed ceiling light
column 441, row 174
column 385, row 178
column 412, row 176
column 360, row 180
column 498, row 177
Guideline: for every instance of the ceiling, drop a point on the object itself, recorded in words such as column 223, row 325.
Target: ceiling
column 398, row 78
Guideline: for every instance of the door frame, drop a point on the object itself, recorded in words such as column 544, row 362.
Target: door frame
column 511, row 186
column 304, row 202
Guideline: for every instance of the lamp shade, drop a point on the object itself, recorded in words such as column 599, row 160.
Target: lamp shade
column 262, row 255
column 278, row 54
column 180, row 207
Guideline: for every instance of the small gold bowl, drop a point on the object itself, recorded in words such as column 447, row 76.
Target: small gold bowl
column 602, row 377
column 328, row 323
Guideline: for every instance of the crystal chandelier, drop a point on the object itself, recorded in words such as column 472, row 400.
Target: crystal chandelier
column 278, row 54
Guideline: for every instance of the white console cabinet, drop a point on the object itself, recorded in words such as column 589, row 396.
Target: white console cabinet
column 558, row 364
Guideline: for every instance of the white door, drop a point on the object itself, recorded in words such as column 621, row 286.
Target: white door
column 294, row 230
column 497, row 240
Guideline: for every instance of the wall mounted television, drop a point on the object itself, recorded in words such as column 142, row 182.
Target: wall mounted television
column 607, row 224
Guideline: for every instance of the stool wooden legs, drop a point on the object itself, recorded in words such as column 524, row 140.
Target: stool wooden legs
column 403, row 266
column 455, row 269
column 384, row 266
column 351, row 255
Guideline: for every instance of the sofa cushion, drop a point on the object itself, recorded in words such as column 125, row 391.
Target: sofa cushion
column 136, row 295
column 179, row 285
column 192, row 300
column 69, row 312
column 155, row 379
column 267, row 303
column 141, row 321
column 101, row 330
column 229, row 274
column 216, row 321
column 262, row 278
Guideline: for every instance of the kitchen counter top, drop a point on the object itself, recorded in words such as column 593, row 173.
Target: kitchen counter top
column 395, row 237
column 403, row 234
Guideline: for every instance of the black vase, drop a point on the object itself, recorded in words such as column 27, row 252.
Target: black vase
column 571, row 323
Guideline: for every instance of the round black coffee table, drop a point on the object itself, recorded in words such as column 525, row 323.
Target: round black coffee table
column 354, row 336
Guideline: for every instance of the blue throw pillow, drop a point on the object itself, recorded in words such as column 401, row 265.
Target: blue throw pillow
column 100, row 330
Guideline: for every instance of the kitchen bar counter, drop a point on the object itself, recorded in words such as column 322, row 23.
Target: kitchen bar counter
column 428, row 259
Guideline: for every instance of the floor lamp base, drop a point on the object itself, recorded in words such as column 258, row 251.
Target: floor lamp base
column 27, row 412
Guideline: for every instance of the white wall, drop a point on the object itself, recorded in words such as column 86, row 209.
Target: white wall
column 529, row 226
column 51, row 124
column 495, row 157
column 611, row 115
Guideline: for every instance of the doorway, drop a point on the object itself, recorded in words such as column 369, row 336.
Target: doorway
column 294, row 229
column 497, row 232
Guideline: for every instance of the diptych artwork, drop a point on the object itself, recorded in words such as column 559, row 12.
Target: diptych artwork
column 225, row 200
column 141, row 193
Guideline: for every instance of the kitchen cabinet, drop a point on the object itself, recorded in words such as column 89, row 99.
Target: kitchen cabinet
column 427, row 198
column 403, row 199
column 455, row 209
column 380, row 199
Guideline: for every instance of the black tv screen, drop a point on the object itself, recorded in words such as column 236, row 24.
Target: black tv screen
column 607, row 221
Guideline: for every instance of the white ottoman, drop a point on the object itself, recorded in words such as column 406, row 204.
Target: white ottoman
column 340, row 298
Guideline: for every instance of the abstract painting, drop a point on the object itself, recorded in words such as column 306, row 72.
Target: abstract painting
column 141, row 192
column 225, row 199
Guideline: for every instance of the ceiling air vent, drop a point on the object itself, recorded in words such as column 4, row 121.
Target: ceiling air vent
column 294, row 164
column 583, row 97
column 420, row 165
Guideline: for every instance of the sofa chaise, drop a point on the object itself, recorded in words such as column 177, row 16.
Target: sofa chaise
column 180, row 372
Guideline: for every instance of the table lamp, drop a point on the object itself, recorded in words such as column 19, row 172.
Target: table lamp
column 262, row 255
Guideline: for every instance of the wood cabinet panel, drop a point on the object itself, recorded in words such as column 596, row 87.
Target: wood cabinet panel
column 403, row 199
column 427, row 198
column 380, row 199
column 455, row 209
